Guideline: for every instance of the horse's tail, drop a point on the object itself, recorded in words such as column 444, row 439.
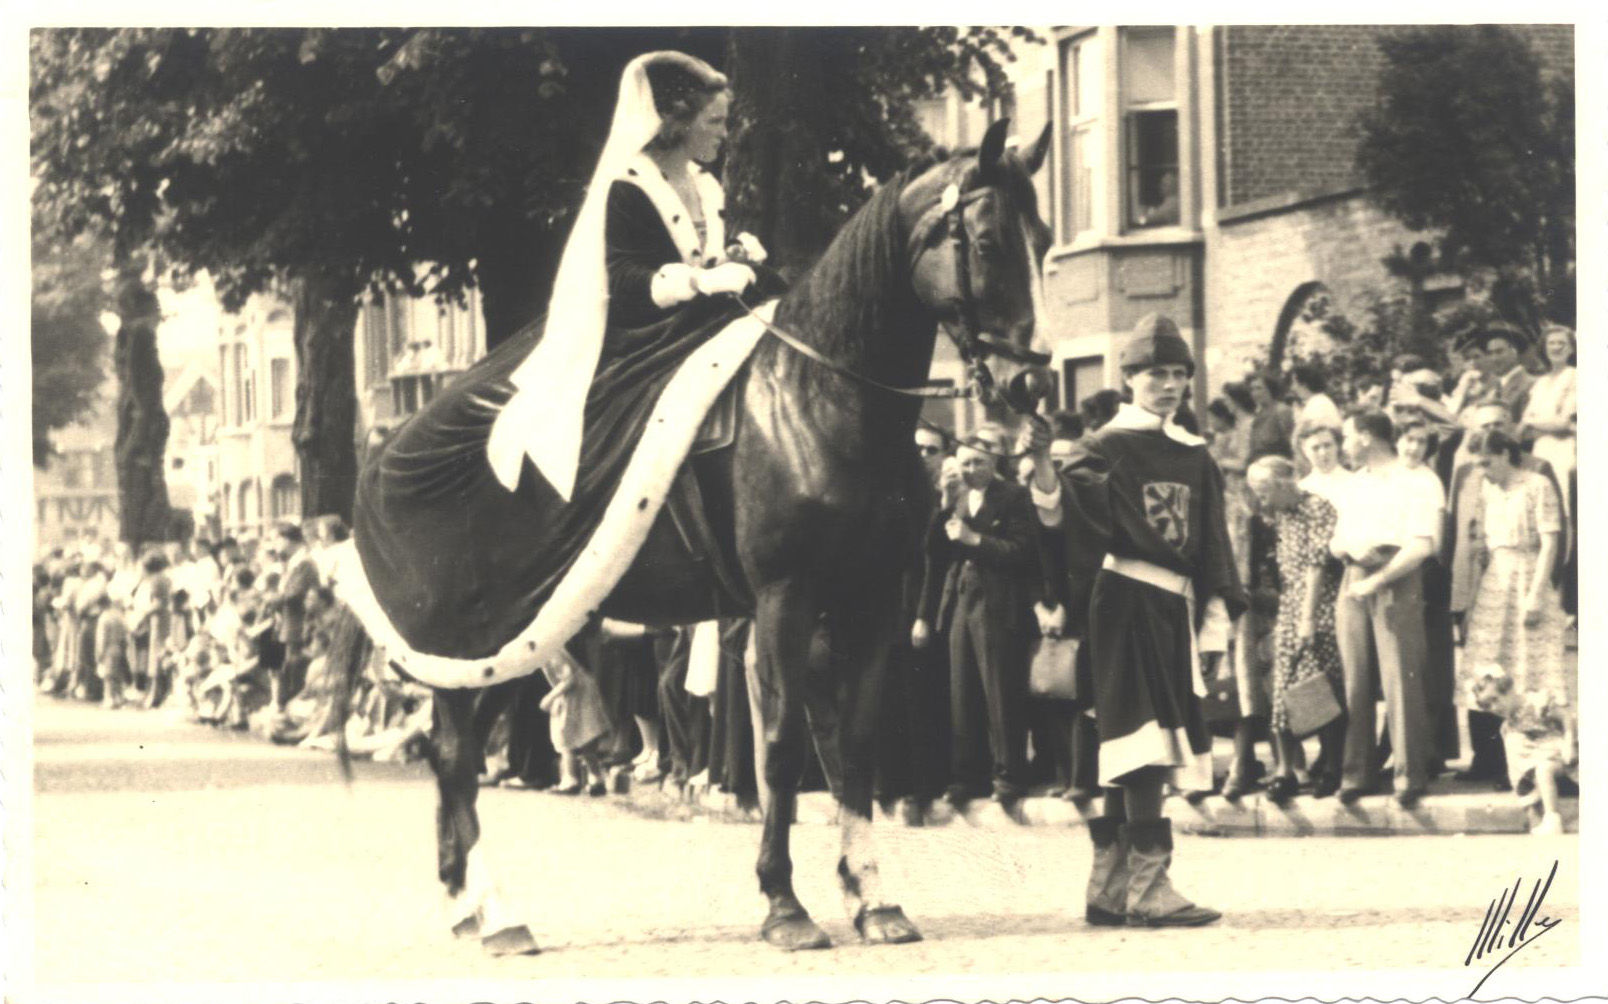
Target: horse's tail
column 349, row 649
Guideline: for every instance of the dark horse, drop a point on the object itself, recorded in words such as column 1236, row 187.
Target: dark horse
column 819, row 498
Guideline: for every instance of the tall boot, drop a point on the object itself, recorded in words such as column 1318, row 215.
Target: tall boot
column 1152, row 900
column 1108, row 880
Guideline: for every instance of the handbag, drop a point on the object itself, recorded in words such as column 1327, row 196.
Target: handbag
column 1310, row 704
column 1053, row 672
column 1221, row 704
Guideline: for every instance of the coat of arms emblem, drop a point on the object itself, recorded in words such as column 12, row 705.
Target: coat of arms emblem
column 1167, row 509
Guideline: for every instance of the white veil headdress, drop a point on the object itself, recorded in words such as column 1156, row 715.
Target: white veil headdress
column 544, row 418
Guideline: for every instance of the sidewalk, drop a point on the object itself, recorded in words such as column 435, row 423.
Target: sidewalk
column 1450, row 807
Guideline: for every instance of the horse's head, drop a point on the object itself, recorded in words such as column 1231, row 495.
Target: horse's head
column 977, row 246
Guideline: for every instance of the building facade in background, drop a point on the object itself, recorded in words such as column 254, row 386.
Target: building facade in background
column 191, row 459
column 1205, row 173
column 407, row 349
column 256, row 474
column 75, row 494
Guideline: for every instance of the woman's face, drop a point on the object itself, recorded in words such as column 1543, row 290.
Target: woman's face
column 1413, row 447
column 1497, row 466
column 1559, row 347
column 708, row 130
column 1322, row 452
column 1260, row 394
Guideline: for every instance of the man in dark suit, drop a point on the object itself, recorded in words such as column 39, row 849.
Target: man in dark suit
column 983, row 547
column 295, row 588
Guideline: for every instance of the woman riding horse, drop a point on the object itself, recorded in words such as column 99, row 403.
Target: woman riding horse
column 461, row 546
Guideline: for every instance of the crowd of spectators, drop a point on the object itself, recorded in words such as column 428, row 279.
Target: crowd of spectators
column 1415, row 548
column 227, row 632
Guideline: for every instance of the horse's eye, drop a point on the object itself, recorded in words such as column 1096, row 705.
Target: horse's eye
column 988, row 246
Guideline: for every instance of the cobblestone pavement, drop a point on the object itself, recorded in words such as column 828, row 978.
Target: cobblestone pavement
column 171, row 852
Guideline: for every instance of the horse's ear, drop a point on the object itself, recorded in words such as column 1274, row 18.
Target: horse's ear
column 1040, row 149
column 993, row 148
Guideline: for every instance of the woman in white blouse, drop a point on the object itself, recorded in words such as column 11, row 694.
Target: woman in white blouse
column 1549, row 418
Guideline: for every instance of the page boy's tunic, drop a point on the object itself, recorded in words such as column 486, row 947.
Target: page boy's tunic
column 1152, row 501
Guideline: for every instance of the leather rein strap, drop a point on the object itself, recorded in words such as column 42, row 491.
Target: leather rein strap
column 972, row 345
column 809, row 351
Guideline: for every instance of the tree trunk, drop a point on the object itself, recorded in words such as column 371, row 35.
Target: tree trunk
column 326, row 393
column 142, row 423
column 776, row 181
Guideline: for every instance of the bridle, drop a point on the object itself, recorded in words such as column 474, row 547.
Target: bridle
column 973, row 346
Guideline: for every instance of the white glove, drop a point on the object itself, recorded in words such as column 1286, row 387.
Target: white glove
column 675, row 283
column 732, row 277
column 747, row 248
column 1051, row 620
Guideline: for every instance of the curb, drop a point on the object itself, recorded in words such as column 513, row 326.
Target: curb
column 1253, row 815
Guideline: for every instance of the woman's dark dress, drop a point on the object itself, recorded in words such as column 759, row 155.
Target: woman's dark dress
column 459, row 563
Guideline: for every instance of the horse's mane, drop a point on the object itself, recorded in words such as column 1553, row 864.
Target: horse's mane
column 856, row 288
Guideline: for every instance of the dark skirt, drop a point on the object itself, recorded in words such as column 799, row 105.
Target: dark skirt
column 1144, row 698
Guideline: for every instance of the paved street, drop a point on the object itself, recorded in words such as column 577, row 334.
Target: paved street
column 167, row 851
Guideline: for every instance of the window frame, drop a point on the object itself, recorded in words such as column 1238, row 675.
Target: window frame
column 1077, row 209
column 1129, row 111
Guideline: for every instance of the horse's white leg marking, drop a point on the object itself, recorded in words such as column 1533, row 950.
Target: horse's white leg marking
column 480, row 890
column 862, row 887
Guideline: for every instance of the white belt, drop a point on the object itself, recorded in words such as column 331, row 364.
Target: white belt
column 1172, row 582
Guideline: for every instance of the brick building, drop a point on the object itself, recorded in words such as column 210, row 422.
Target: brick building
column 1204, row 172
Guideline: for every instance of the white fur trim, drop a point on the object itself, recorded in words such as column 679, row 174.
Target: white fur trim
column 645, row 174
column 673, row 284
column 604, row 560
column 1153, row 746
column 1131, row 416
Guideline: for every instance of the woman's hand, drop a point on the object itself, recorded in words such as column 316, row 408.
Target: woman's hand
column 1532, row 612
column 747, row 249
column 1051, row 620
column 732, row 277
column 920, row 634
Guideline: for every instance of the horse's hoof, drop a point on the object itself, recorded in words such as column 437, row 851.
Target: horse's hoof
column 515, row 940
column 467, row 927
column 885, row 925
column 794, row 932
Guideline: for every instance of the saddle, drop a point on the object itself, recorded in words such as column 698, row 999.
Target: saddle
column 685, row 548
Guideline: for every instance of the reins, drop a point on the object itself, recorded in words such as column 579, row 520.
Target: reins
column 972, row 345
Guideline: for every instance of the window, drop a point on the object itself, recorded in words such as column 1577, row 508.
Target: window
column 376, row 342
column 1082, row 74
column 447, row 330
column 1080, row 378
column 284, row 500
column 237, row 387
column 279, row 387
column 244, row 510
column 225, row 394
column 396, row 309
column 1150, row 126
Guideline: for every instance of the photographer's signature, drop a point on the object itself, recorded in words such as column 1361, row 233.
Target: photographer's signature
column 1501, row 932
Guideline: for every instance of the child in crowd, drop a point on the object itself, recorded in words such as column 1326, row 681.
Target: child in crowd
column 579, row 724
column 1539, row 735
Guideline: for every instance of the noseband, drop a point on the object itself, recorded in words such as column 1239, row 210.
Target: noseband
column 974, row 346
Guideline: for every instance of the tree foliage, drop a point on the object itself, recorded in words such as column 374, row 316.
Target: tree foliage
column 436, row 160
column 67, row 340
column 1469, row 141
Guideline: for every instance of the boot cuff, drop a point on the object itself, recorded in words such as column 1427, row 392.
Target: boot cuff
column 1104, row 830
column 1152, row 835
